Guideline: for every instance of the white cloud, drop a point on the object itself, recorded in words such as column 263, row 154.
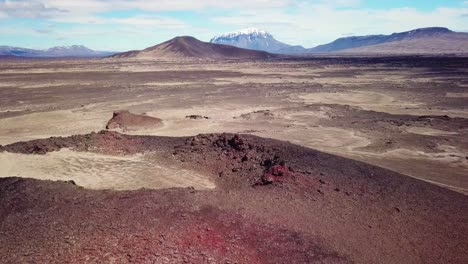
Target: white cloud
column 161, row 5
column 149, row 21
column 304, row 22
column 87, row 11
column 28, row 9
column 139, row 21
column 320, row 23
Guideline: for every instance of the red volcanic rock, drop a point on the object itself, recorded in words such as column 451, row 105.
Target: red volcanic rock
column 276, row 173
column 302, row 204
column 232, row 143
column 236, row 143
column 127, row 121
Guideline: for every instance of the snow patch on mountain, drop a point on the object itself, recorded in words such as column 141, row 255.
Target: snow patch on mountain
column 248, row 31
column 255, row 39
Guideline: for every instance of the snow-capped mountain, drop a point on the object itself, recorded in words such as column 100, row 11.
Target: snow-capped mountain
column 255, row 39
column 432, row 40
column 55, row 52
column 247, row 31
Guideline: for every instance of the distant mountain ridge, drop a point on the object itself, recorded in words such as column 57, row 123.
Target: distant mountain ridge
column 432, row 40
column 187, row 47
column 255, row 39
column 55, row 52
column 353, row 43
column 256, row 43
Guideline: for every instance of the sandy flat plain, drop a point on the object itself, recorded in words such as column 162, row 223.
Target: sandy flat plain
column 409, row 115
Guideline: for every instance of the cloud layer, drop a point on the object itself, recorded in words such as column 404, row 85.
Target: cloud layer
column 308, row 23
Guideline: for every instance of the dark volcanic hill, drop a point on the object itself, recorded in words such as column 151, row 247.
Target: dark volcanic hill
column 434, row 40
column 78, row 51
column 274, row 202
column 190, row 47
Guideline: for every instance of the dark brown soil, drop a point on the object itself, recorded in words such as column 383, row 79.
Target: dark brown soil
column 275, row 202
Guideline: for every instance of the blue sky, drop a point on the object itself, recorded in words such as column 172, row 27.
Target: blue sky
column 121, row 25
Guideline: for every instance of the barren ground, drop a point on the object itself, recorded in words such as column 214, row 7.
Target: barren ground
column 274, row 202
column 168, row 185
column 406, row 114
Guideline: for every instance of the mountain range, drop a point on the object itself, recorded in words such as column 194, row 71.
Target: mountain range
column 433, row 40
column 256, row 39
column 55, row 52
column 259, row 44
column 190, row 47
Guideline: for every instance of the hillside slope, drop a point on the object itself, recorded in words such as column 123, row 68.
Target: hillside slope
column 445, row 44
column 433, row 40
column 190, row 47
column 274, row 202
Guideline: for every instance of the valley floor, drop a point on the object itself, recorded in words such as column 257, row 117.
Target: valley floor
column 409, row 115
column 282, row 161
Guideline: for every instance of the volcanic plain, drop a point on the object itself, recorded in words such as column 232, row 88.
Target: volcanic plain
column 318, row 160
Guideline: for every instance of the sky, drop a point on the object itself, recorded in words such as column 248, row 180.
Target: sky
column 121, row 25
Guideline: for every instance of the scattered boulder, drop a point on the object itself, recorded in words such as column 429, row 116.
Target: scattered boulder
column 127, row 121
column 72, row 182
column 257, row 114
column 195, row 117
column 275, row 171
column 236, row 143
